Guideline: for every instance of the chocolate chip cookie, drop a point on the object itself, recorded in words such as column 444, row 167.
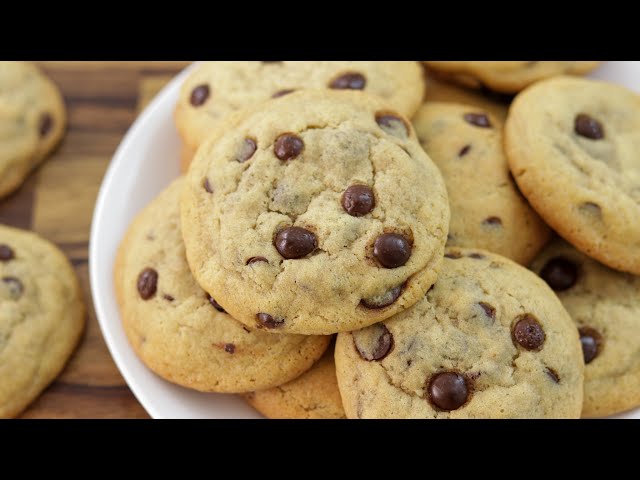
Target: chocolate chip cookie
column 32, row 121
column 216, row 89
column 41, row 317
column 605, row 305
column 487, row 210
column 489, row 340
column 572, row 146
column 316, row 213
column 314, row 394
column 508, row 77
column 180, row 331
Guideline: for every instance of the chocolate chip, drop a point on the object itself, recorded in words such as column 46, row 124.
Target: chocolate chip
column 147, row 283
column 493, row 221
column 560, row 273
column 453, row 255
column 392, row 124
column 268, row 321
column 247, row 149
column 448, row 391
column 229, row 347
column 374, row 342
column 392, row 250
column 288, row 146
column 528, row 332
column 14, row 287
column 489, row 309
column 384, row 300
column 588, row 127
column 350, row 81
column 358, row 200
column 478, row 119
column 591, row 341
column 207, row 185
column 169, row 298
column 477, row 256
column 199, row 95
column 552, row 374
column 295, row 242
column 464, row 150
column 215, row 304
column 6, row 253
column 256, row 259
column 282, row 93
column 45, row 124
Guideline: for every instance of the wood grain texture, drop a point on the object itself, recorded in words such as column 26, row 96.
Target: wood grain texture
column 103, row 99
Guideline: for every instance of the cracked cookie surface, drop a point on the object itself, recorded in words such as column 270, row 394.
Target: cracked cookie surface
column 314, row 394
column 487, row 210
column 508, row 76
column 41, row 317
column 605, row 305
column 216, row 89
column 489, row 340
column 180, row 331
column 572, row 147
column 316, row 213
column 32, row 121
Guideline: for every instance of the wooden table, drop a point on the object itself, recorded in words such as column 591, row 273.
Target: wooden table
column 103, row 99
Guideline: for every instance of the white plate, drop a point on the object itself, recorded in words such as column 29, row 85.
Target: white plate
column 144, row 164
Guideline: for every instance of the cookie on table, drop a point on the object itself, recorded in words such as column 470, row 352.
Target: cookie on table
column 605, row 305
column 216, row 89
column 572, row 146
column 32, row 121
column 489, row 340
column 487, row 210
column 178, row 330
column 41, row 317
column 508, row 77
column 314, row 394
column 316, row 213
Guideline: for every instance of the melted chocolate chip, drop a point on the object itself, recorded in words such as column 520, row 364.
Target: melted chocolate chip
column 45, row 124
column 247, row 150
column 14, row 286
column 268, row 321
column 588, row 127
column 553, row 375
column 591, row 341
column 168, row 298
column 358, row 200
column 392, row 124
column 464, row 150
column 256, row 259
column 6, row 253
column 295, row 242
column 383, row 300
column 207, row 185
column 478, row 119
column 282, row 93
column 560, row 273
column 350, row 81
column 229, row 347
column 493, row 221
column 199, row 95
column 448, row 391
column 392, row 250
column 489, row 309
column 528, row 332
column 288, row 146
column 215, row 304
column 373, row 343
column 147, row 283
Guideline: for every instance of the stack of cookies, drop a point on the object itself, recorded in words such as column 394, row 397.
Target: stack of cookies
column 332, row 198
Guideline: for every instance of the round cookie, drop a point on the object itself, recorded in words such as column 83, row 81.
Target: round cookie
column 216, row 89
column 316, row 213
column 489, row 340
column 508, row 77
column 605, row 305
column 487, row 210
column 314, row 394
column 178, row 330
column 572, row 147
column 41, row 317
column 32, row 121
